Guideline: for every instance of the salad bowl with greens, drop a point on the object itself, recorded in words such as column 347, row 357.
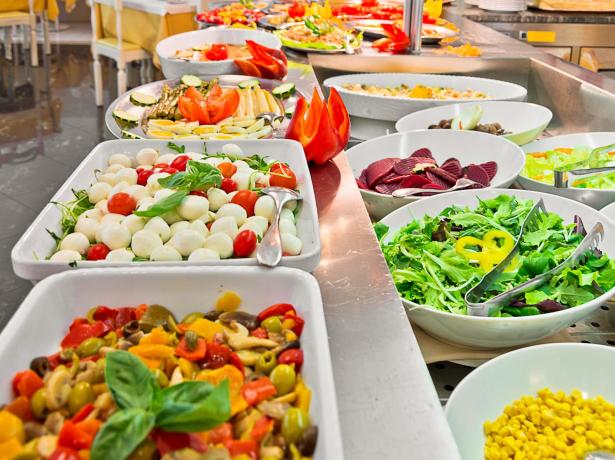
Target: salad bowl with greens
column 440, row 247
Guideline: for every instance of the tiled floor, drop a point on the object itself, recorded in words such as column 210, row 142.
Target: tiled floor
column 46, row 129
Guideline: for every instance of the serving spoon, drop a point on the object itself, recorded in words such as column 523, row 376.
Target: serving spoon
column 269, row 250
column 599, row 456
column 460, row 184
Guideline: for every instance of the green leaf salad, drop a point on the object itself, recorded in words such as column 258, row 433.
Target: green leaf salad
column 428, row 269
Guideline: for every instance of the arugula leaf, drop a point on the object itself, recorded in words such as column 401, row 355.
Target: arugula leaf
column 130, row 382
column 381, row 230
column 177, row 148
column 163, row 206
column 122, row 433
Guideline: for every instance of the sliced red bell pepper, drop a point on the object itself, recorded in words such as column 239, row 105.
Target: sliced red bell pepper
column 64, row 453
column 168, row 442
column 261, row 428
column 221, row 434
column 278, row 309
column 26, row 383
column 248, row 68
column 339, row 116
column 54, row 360
column 217, row 355
column 292, row 356
column 140, row 311
column 196, row 353
column 74, row 437
column 259, row 332
column 265, row 62
column 83, row 413
column 299, row 322
column 80, row 332
column 20, row 407
column 247, row 447
column 396, row 40
column 258, row 390
column 236, row 361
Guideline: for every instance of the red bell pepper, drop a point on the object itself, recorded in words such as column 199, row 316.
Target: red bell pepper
column 235, row 360
column 77, row 436
column 261, row 428
column 299, row 322
column 217, row 355
column 221, row 434
column 259, row 332
column 140, row 311
column 26, row 383
column 168, row 442
column 20, row 407
column 79, row 332
column 292, row 356
column 264, row 63
column 258, row 390
column 54, row 360
column 247, row 447
column 83, row 413
column 396, row 40
column 278, row 309
column 115, row 318
column 64, row 453
column 195, row 353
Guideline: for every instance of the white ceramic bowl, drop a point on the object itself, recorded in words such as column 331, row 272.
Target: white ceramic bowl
column 50, row 307
column 393, row 108
column 467, row 146
column 176, row 68
column 524, row 121
column 493, row 333
column 609, row 211
column 592, row 197
column 484, row 393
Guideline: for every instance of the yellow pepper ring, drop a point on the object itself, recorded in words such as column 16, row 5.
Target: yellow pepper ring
column 490, row 253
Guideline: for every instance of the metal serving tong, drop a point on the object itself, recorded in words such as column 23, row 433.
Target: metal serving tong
column 474, row 297
column 559, row 174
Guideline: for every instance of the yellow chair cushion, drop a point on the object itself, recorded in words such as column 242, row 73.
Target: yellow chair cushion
column 112, row 42
column 14, row 15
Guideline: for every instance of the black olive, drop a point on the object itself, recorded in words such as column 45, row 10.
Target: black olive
column 131, row 327
column 307, row 441
column 212, row 315
column 242, row 317
column 155, row 316
column 289, row 346
column 40, row 365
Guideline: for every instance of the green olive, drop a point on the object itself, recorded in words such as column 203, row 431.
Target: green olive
column 81, row 394
column 283, row 378
column 26, row 456
column 161, row 377
column 67, row 354
column 272, row 324
column 90, row 347
column 111, row 339
column 154, row 316
column 294, row 423
column 99, row 370
column 144, row 451
column 266, row 362
column 38, row 403
column 192, row 317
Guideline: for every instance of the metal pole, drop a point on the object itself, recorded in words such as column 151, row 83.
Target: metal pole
column 413, row 23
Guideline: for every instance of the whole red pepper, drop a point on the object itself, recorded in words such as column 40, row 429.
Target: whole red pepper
column 264, row 63
column 277, row 309
column 396, row 40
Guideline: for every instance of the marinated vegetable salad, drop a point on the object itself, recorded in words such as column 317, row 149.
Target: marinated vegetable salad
column 173, row 207
column 415, row 92
column 137, row 383
column 435, row 261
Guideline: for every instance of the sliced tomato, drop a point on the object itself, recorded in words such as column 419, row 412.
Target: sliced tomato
column 185, row 104
column 201, row 114
column 223, row 106
column 194, row 94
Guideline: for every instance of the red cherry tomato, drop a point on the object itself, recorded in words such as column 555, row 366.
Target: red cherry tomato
column 169, row 170
column 217, row 52
column 143, row 175
column 160, row 165
column 245, row 243
column 227, row 169
column 199, row 193
column 98, row 251
column 246, row 199
column 228, row 185
column 282, row 176
column 180, row 162
column 121, row 203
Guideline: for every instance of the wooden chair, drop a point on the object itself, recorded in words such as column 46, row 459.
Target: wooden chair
column 120, row 51
column 9, row 20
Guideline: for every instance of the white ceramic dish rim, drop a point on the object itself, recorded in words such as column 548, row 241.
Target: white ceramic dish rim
column 563, row 137
column 488, row 319
column 378, row 194
column 340, row 89
column 609, row 211
column 35, row 226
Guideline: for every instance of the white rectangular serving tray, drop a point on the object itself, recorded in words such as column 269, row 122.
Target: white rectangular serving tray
column 43, row 318
column 35, row 245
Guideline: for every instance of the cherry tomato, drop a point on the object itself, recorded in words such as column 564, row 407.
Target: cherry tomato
column 169, row 170
column 282, row 176
column 227, row 169
column 143, row 175
column 98, row 251
column 217, row 52
column 160, row 165
column 199, row 193
column 180, row 162
column 245, row 243
column 296, row 10
column 228, row 185
column 121, row 203
column 246, row 199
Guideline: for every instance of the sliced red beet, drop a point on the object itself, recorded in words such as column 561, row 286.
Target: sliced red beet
column 453, row 167
column 392, row 179
column 407, row 165
column 414, row 181
column 379, row 169
column 361, row 184
column 424, row 152
column 435, row 179
column 491, row 167
column 478, row 174
column 387, row 189
column 363, row 176
column 444, row 175
column 433, row 186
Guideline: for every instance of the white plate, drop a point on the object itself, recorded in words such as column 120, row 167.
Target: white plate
column 484, row 393
column 524, row 121
column 595, row 198
column 493, row 333
column 393, row 108
column 467, row 146
column 50, row 307
column 176, row 68
column 35, row 245
column 609, row 211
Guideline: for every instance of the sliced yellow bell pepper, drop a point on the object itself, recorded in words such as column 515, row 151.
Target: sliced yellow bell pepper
column 157, row 336
column 491, row 253
column 228, row 301
column 235, row 379
column 152, row 354
column 205, row 328
column 11, row 427
column 304, row 395
column 10, row 448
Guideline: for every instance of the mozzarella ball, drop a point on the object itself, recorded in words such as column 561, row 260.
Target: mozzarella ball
column 109, row 178
column 261, row 180
column 292, row 205
column 102, row 205
column 194, row 155
column 115, row 236
column 167, row 158
column 231, row 195
column 88, row 227
column 200, row 227
column 145, row 203
column 192, row 207
column 145, row 168
column 159, row 227
column 265, row 207
column 144, row 242
column 66, row 255
column 114, row 168
column 287, row 214
column 112, row 218
column 120, row 159
column 217, row 197
column 138, row 192
column 165, row 254
column 209, row 216
column 186, row 241
column 242, row 165
column 134, row 223
column 75, row 242
column 147, row 157
column 291, row 244
column 170, row 217
column 232, row 210
column 214, row 161
column 262, row 222
column 177, row 226
column 127, row 175
column 203, row 254
column 117, row 188
column 152, row 182
column 163, row 193
column 226, row 225
column 286, row 226
column 232, row 149
column 253, row 226
column 120, row 255
column 95, row 214
column 221, row 243
column 242, row 179
column 98, row 192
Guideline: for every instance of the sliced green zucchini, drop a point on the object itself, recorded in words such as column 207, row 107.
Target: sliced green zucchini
column 249, row 84
column 129, row 135
column 125, row 119
column 290, row 112
column 284, row 91
column 191, row 80
column 142, row 99
column 200, row 48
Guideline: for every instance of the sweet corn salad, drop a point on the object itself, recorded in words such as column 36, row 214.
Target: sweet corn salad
column 415, row 92
column 551, row 426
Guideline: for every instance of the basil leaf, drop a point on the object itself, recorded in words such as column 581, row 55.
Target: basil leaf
column 194, row 406
column 198, row 167
column 122, row 433
column 175, row 181
column 165, row 205
column 130, row 382
column 177, row 148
